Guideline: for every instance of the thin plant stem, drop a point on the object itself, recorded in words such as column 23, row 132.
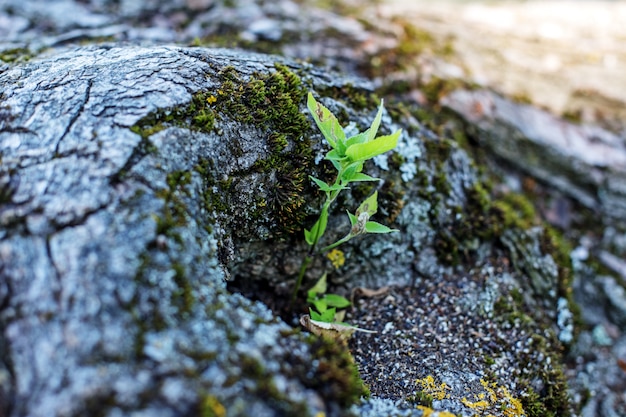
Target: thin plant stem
column 305, row 264
column 337, row 243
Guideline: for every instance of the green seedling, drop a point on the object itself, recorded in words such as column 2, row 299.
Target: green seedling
column 347, row 155
column 325, row 305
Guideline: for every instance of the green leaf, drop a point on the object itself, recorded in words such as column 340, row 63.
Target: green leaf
column 318, row 229
column 334, row 300
column 320, row 286
column 353, row 218
column 321, row 184
column 320, row 305
column 341, row 147
column 328, row 316
column 369, row 206
column 314, row 315
column 371, row 132
column 326, row 122
column 327, row 188
column 374, row 227
column 335, row 156
column 348, row 174
column 308, row 236
column 363, row 177
column 351, row 171
column 368, row 150
column 358, row 138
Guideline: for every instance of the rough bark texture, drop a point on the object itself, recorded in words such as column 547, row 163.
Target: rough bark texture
column 586, row 162
column 134, row 180
column 113, row 299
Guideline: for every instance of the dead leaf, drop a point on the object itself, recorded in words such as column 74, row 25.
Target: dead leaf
column 335, row 331
column 367, row 293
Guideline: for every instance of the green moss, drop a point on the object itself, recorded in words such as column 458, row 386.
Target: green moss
column 412, row 42
column 264, row 387
column 554, row 396
column 197, row 115
column 480, row 219
column 437, row 87
column 337, row 376
column 516, row 210
column 261, row 384
column 230, row 38
column 15, row 55
column 441, row 183
column 276, row 99
column 521, row 98
column 554, row 243
column 438, row 150
column 173, row 216
column 174, row 210
column 354, row 97
column 210, row 406
column 183, row 297
column 421, row 398
column 271, row 102
column 489, row 360
column 178, row 179
column 573, row 116
column 266, row 100
column 533, row 405
column 392, row 198
column 553, row 400
column 278, row 142
column 467, row 226
column 147, row 130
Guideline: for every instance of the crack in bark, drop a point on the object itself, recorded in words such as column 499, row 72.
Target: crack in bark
column 75, row 116
column 55, row 268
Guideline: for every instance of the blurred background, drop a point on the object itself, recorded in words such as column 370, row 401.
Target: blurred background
column 568, row 56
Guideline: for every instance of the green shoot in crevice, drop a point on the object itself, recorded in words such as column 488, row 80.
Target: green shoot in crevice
column 325, row 305
column 347, row 156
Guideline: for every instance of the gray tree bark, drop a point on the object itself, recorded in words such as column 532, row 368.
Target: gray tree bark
column 135, row 180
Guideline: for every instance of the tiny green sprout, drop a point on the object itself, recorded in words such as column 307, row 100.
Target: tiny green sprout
column 347, row 155
column 325, row 305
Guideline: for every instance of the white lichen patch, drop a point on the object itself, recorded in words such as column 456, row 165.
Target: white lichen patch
column 410, row 149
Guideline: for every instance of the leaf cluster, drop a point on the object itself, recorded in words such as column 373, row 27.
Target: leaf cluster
column 347, row 155
column 325, row 305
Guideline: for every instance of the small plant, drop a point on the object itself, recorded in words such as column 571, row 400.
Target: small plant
column 347, row 156
column 325, row 305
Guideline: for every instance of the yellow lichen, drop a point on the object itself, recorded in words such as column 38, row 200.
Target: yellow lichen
column 490, row 390
column 428, row 385
column 480, row 404
column 212, row 407
column 495, row 398
column 336, row 257
column 429, row 412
